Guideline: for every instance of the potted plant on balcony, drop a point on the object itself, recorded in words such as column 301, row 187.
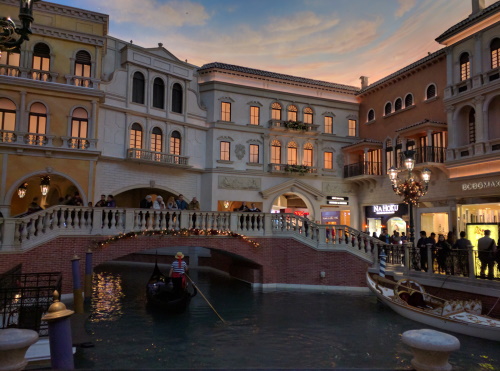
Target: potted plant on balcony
column 295, row 125
column 301, row 169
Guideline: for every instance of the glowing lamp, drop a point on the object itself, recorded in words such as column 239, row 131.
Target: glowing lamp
column 21, row 191
column 45, row 184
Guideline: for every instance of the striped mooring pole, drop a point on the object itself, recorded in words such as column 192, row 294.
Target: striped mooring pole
column 381, row 272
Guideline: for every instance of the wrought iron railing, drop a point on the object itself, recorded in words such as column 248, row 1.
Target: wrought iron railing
column 363, row 168
column 161, row 157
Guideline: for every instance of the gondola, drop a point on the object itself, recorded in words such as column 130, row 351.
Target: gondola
column 160, row 294
column 409, row 299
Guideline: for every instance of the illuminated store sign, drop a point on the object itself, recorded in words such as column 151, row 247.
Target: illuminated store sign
column 480, row 185
column 385, row 209
column 336, row 200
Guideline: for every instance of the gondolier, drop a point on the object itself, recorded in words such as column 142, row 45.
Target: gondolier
column 177, row 271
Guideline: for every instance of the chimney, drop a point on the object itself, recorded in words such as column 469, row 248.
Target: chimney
column 477, row 6
column 364, row 81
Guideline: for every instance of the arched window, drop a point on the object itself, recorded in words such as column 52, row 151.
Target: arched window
column 371, row 115
column 292, row 153
column 308, row 115
column 398, row 104
column 308, row 155
column 7, row 120
column 292, row 113
column 156, row 140
column 177, row 98
column 430, row 92
column 138, row 85
column 37, row 124
column 79, row 129
column 464, row 67
column 41, row 62
column 136, row 136
column 158, row 93
column 276, row 152
column 83, row 68
column 175, row 143
column 387, row 108
column 408, row 100
column 10, row 62
column 495, row 52
column 276, row 111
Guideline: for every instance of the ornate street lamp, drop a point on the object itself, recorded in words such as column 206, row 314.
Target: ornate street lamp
column 45, row 184
column 11, row 36
column 411, row 188
column 21, row 191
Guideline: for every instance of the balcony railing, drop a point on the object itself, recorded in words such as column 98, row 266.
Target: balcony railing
column 292, row 125
column 426, row 154
column 159, row 157
column 292, row 169
column 363, row 168
column 86, row 82
column 9, row 137
column 41, row 75
column 7, row 70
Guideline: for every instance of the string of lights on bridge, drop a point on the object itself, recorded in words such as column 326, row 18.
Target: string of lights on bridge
column 176, row 233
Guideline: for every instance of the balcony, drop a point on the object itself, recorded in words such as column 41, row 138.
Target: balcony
column 363, row 168
column 292, row 125
column 292, row 169
column 426, row 155
column 144, row 155
column 41, row 75
column 37, row 140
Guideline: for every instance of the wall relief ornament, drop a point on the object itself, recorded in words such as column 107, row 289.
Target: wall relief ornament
column 336, row 189
column 233, row 182
column 239, row 151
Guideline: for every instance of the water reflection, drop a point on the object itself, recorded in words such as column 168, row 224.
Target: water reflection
column 107, row 294
column 272, row 330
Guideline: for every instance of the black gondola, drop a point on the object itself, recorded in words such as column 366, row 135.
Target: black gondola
column 161, row 295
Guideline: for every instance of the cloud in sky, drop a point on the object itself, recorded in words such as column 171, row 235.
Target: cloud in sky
column 336, row 41
column 404, row 7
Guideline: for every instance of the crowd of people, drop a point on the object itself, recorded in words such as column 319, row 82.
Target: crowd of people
column 172, row 204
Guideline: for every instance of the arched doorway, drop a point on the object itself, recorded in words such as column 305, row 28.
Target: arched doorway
column 294, row 203
column 133, row 197
column 58, row 188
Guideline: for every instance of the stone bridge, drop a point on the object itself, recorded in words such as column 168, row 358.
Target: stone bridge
column 260, row 248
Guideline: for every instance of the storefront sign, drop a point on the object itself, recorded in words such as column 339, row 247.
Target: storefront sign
column 385, row 209
column 337, row 200
column 480, row 185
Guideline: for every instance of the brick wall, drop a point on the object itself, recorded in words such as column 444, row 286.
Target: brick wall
column 276, row 260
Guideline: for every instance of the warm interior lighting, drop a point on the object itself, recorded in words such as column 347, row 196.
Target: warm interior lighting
column 393, row 173
column 409, row 160
column 21, row 191
column 226, row 204
column 45, row 184
column 426, row 175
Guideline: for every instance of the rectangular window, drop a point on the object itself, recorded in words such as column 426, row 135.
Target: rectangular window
column 276, row 114
column 389, row 158
column 308, row 157
column 276, row 154
column 225, row 151
column 328, row 164
column 10, row 58
column 254, row 153
column 82, row 69
column 374, row 163
column 156, row 142
column 254, row 115
column 495, row 60
column 328, row 125
column 226, row 111
column 292, row 115
column 135, row 139
column 292, row 155
column 308, row 118
column 352, row 128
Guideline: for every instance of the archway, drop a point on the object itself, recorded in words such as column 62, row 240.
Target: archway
column 292, row 202
column 133, row 197
column 60, row 187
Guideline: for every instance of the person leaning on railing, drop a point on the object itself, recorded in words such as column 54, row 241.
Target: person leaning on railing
column 487, row 248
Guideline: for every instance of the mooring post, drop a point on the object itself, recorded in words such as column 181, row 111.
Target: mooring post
column 77, row 288
column 60, row 340
column 87, row 284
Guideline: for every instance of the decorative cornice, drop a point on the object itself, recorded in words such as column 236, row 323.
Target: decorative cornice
column 68, row 11
column 254, row 141
column 69, row 35
column 255, row 103
column 225, row 138
column 226, row 99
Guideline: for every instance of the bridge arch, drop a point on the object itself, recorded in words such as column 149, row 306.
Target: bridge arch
column 131, row 196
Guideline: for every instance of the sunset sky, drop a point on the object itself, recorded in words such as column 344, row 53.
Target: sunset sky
column 331, row 40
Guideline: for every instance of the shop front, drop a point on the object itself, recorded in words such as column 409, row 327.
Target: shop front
column 394, row 217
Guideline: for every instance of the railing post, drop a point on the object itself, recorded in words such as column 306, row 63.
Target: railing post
column 268, row 224
column 321, row 236
column 407, row 258
column 472, row 262
column 129, row 220
column 9, row 233
column 97, row 221
column 375, row 254
column 184, row 219
column 430, row 261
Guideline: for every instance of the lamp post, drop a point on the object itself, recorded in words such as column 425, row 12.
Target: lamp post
column 9, row 31
column 411, row 188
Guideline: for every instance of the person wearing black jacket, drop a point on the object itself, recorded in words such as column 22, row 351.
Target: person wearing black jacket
column 422, row 246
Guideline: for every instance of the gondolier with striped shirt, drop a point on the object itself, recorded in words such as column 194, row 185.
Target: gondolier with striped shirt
column 177, row 272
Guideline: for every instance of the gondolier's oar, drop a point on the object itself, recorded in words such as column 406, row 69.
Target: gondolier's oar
column 210, row 305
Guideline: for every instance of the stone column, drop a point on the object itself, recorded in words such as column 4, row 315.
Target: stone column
column 452, row 133
column 448, row 91
column 480, row 138
column 477, row 61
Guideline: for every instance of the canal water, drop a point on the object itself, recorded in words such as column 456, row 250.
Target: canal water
column 271, row 330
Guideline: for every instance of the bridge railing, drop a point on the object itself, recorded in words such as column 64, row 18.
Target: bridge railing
column 26, row 232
